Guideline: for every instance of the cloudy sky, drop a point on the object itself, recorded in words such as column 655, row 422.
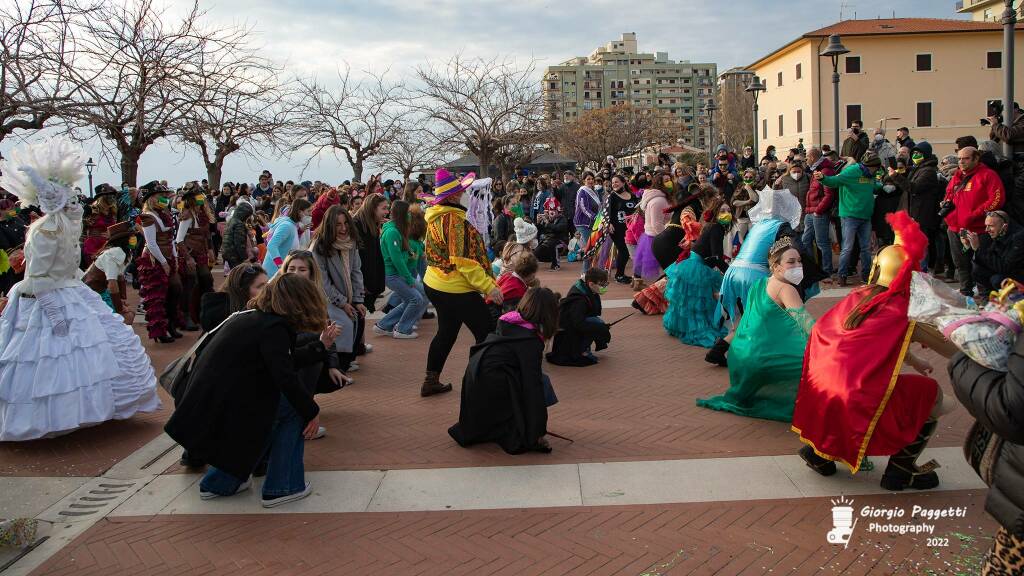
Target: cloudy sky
column 317, row 36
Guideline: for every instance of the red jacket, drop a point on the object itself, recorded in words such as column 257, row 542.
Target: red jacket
column 325, row 201
column 820, row 197
column 512, row 287
column 982, row 193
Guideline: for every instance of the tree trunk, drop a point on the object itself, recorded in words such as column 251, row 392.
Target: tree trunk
column 485, row 163
column 130, row 166
column 214, row 172
column 406, row 175
column 357, row 171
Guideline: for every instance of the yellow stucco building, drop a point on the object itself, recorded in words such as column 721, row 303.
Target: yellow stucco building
column 935, row 75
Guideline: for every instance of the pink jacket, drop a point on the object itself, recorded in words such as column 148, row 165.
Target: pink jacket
column 654, row 203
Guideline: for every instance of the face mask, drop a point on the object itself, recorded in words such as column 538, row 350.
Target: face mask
column 602, row 289
column 598, row 188
column 307, row 220
column 856, row 130
column 917, row 158
column 725, row 219
column 74, row 210
column 878, row 137
column 748, row 180
column 794, row 275
column 200, row 200
column 163, row 202
column 796, row 174
column 133, row 242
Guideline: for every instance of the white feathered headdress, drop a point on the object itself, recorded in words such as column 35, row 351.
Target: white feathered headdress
column 43, row 174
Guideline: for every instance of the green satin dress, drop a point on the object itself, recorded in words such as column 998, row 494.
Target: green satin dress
column 765, row 359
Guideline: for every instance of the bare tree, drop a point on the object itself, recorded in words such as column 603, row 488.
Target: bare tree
column 482, row 104
column 142, row 74
column 36, row 53
column 734, row 124
column 620, row 130
column 415, row 149
column 357, row 117
column 239, row 111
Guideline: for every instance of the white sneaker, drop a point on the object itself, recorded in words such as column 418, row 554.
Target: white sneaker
column 354, row 367
column 369, row 347
column 379, row 332
column 210, row 495
column 402, row 336
column 289, row 498
column 320, row 433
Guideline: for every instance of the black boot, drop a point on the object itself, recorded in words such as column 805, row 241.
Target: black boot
column 822, row 466
column 190, row 326
column 172, row 331
column 902, row 472
column 189, row 461
column 717, row 353
column 432, row 385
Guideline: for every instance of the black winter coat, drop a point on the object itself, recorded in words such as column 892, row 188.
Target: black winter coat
column 926, row 192
column 235, row 235
column 503, row 392
column 579, row 304
column 996, row 400
column 226, row 414
column 1003, row 255
column 372, row 264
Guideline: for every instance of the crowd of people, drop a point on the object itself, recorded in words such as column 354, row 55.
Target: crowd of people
column 728, row 252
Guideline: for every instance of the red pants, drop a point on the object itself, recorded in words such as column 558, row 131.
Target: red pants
column 160, row 293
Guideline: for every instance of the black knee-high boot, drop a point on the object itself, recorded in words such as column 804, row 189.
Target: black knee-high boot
column 903, row 472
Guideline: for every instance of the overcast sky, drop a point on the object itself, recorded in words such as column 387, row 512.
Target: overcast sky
column 316, row 36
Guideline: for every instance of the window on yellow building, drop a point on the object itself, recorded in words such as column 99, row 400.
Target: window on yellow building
column 764, row 129
column 853, row 64
column 780, row 124
column 994, row 60
column 853, row 112
column 799, row 121
column 924, row 62
column 799, row 71
column 924, row 114
column 780, row 79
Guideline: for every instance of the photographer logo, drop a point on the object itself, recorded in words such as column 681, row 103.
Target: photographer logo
column 843, row 522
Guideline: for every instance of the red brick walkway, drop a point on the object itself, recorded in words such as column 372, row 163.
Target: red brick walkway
column 638, row 404
column 776, row 537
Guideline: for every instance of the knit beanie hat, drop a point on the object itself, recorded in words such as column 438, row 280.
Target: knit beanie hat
column 871, row 160
column 525, row 231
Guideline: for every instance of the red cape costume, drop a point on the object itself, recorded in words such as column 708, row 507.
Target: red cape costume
column 853, row 401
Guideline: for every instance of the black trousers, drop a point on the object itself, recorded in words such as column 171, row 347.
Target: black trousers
column 454, row 310
column 621, row 251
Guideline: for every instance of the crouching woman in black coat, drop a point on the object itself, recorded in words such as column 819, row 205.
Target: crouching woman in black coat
column 504, row 393
column 244, row 397
column 995, row 448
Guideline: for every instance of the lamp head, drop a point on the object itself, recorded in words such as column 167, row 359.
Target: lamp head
column 835, row 47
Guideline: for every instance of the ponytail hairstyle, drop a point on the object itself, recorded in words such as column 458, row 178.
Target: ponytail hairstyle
column 400, row 218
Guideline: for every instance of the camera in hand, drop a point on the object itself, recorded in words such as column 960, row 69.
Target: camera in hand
column 995, row 109
column 945, row 207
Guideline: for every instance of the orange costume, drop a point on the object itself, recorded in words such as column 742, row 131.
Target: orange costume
column 852, row 401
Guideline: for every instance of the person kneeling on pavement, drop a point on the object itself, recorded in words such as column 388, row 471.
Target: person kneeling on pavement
column 580, row 323
column 505, row 395
column 998, row 254
column 239, row 405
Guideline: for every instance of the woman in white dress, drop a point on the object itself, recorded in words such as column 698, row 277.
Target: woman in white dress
column 66, row 360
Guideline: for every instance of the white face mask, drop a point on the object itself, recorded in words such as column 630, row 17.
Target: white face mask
column 74, row 209
column 878, row 137
column 794, row 275
column 796, row 174
column 307, row 220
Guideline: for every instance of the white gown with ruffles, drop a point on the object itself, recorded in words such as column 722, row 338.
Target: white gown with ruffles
column 55, row 384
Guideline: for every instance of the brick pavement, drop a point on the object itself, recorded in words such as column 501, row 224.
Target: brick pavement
column 736, row 538
column 638, row 404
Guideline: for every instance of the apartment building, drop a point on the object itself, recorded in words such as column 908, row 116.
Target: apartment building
column 617, row 73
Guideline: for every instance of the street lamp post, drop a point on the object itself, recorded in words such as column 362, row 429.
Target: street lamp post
column 89, row 165
column 1009, row 24
column 710, row 108
column 755, row 88
column 834, row 50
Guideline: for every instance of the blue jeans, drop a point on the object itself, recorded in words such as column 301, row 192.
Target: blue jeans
column 421, row 271
column 412, row 303
column 285, row 474
column 588, row 341
column 584, row 237
column 855, row 230
column 816, row 231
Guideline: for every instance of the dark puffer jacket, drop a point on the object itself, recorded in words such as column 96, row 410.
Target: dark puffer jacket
column 996, row 399
column 235, row 234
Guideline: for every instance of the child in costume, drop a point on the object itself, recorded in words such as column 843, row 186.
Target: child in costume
column 579, row 322
column 513, row 285
column 158, row 265
column 66, row 360
column 101, row 214
column 194, row 255
column 853, row 401
column 106, row 275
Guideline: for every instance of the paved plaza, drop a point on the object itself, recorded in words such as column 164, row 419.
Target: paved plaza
column 650, row 484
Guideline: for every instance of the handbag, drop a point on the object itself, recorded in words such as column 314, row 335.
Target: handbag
column 175, row 377
column 981, row 449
